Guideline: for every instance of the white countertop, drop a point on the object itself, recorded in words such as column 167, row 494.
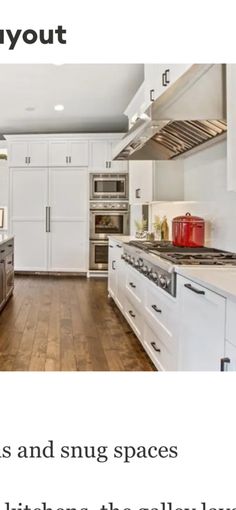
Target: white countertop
column 221, row 280
column 124, row 239
column 4, row 237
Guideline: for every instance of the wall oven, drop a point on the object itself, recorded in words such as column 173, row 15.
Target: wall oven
column 109, row 186
column 106, row 218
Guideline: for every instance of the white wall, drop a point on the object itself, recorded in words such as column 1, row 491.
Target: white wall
column 205, row 195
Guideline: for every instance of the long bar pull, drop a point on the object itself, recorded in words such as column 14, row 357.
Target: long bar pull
column 47, row 219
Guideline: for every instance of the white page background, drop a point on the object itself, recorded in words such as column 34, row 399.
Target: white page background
column 194, row 411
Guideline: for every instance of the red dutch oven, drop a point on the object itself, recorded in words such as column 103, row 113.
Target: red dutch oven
column 188, row 231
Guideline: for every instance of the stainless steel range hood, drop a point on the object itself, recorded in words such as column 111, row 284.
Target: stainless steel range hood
column 192, row 112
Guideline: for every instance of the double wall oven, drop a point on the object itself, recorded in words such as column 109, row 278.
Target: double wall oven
column 109, row 214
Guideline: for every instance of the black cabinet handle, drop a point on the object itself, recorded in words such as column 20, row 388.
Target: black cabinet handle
column 132, row 314
column 153, row 344
column 164, row 84
column 2, row 251
column 10, row 245
column 132, row 285
column 10, row 262
column 197, row 291
column 118, row 246
column 151, row 95
column 167, row 77
column 1, row 261
column 223, row 361
column 158, row 310
column 110, row 246
column 138, row 193
column 113, row 264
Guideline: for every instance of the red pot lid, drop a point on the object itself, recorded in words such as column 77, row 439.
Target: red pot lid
column 188, row 218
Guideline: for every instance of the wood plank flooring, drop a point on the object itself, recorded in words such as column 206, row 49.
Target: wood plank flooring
column 66, row 324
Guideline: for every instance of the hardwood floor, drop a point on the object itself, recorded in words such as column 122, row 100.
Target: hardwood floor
column 67, row 324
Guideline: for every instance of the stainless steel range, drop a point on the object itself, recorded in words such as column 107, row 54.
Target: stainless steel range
column 158, row 260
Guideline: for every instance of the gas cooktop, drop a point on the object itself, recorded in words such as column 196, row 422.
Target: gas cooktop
column 186, row 256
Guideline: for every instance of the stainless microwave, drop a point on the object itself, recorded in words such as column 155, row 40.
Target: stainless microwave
column 109, row 186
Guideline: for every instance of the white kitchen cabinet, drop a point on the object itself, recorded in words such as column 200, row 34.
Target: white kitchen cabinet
column 231, row 321
column 29, row 198
column 28, row 154
column 101, row 157
column 158, row 77
column 69, row 153
column 133, row 317
column 160, row 353
column 68, row 239
column 116, row 272
column 140, row 181
column 49, row 218
column 231, row 127
column 202, row 326
column 155, row 181
column 228, row 362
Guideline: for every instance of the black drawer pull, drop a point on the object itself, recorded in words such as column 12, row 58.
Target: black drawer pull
column 153, row 344
column 158, row 310
column 113, row 264
column 10, row 262
column 152, row 95
column 2, row 251
column 110, row 246
column 10, row 245
column 132, row 285
column 118, row 246
column 223, row 361
column 197, row 291
column 132, row 314
column 1, row 261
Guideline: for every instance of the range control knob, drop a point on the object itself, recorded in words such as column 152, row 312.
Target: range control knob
column 140, row 262
column 145, row 269
column 164, row 281
column 132, row 261
column 154, row 276
column 136, row 264
column 128, row 258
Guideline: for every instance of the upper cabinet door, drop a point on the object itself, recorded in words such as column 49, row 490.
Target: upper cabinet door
column 33, row 154
column 78, row 153
column 231, row 131
column 38, row 154
column 140, row 181
column 18, row 154
column 100, row 155
column 58, row 153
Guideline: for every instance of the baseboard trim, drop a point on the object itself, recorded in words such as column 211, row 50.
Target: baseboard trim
column 50, row 273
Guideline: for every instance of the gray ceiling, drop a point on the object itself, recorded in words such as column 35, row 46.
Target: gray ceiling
column 94, row 97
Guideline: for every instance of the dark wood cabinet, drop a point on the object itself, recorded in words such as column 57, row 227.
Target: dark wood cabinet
column 6, row 271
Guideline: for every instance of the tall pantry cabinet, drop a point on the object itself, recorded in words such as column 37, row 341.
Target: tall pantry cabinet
column 49, row 205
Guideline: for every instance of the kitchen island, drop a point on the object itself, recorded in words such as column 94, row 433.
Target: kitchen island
column 189, row 325
column 6, row 268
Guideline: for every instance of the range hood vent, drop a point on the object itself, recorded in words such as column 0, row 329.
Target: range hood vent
column 180, row 120
column 178, row 137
